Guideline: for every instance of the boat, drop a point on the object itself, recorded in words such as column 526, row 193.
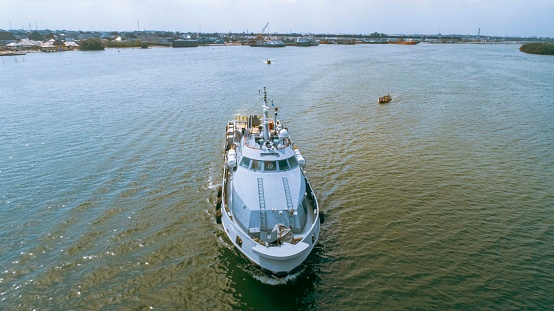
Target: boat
column 307, row 41
column 267, row 61
column 269, row 44
column 346, row 41
column 385, row 99
column 374, row 41
column 407, row 42
column 12, row 53
column 185, row 43
column 266, row 205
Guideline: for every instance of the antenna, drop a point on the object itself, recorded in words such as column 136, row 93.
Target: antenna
column 265, row 120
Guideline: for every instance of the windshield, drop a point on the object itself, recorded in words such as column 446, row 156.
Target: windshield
column 269, row 166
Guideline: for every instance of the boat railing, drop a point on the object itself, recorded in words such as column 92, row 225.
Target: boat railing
column 286, row 143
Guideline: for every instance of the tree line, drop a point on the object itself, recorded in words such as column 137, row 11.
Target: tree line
column 538, row 48
column 95, row 44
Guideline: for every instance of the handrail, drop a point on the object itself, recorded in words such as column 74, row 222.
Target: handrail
column 286, row 142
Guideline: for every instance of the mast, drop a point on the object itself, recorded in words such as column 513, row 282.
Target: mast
column 266, row 118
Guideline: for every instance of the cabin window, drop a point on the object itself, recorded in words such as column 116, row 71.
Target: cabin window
column 245, row 162
column 257, row 165
column 283, row 165
column 293, row 162
column 270, row 166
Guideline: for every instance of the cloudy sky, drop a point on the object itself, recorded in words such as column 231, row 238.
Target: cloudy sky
column 494, row 17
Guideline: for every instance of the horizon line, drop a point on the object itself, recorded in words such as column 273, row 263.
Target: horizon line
column 290, row 33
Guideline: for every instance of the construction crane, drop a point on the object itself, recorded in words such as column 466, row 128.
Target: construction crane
column 263, row 29
column 260, row 36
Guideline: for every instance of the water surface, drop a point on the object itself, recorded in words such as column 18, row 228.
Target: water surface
column 441, row 199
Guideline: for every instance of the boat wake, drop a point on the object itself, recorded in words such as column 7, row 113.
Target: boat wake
column 273, row 280
column 212, row 180
column 211, row 185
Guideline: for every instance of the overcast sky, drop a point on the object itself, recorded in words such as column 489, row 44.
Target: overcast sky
column 494, row 17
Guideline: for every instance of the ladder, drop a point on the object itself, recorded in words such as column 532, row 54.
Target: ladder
column 261, row 198
column 289, row 200
column 287, row 193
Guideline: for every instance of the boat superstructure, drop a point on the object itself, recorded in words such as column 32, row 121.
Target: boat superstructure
column 385, row 99
column 268, row 209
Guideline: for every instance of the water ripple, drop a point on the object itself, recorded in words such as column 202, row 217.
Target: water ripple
column 440, row 199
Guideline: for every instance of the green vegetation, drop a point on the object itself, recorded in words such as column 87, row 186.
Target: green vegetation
column 538, row 48
column 377, row 35
column 123, row 44
column 131, row 44
column 93, row 44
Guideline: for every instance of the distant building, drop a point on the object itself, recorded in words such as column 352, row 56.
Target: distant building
column 71, row 45
column 49, row 46
column 58, row 46
column 25, row 44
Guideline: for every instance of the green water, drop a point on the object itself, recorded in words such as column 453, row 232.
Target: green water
column 439, row 200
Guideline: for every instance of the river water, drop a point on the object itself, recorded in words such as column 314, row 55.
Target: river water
column 442, row 199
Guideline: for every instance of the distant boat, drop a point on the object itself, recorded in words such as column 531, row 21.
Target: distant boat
column 307, row 41
column 267, row 61
column 184, row 43
column 385, row 99
column 375, row 41
column 268, row 44
column 407, row 42
column 12, row 53
column 347, row 41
